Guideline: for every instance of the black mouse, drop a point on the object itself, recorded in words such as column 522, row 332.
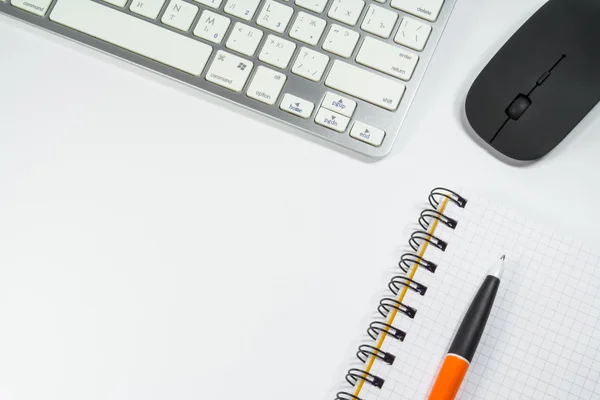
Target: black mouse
column 541, row 83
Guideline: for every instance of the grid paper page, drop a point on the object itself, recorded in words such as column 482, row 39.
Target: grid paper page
column 542, row 339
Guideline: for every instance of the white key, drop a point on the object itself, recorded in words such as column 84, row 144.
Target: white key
column 275, row 16
column 243, row 9
column 367, row 133
column 379, row 21
column 179, row 15
column 366, row 85
column 387, row 58
column 147, row 8
column 212, row 26
column 340, row 41
column 118, row 3
column 297, row 106
column 310, row 64
column 38, row 7
column 244, row 39
column 210, row 3
column 339, row 104
column 229, row 71
column 331, row 120
column 313, row 5
column 277, row 51
column 346, row 11
column 426, row 9
column 413, row 34
column 307, row 28
column 266, row 85
column 133, row 34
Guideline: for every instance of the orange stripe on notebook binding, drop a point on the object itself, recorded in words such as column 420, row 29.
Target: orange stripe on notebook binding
column 450, row 377
column 401, row 295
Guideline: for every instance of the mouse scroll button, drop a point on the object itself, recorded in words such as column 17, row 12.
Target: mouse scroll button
column 518, row 107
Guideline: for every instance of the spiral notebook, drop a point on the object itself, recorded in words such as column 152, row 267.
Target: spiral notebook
column 542, row 340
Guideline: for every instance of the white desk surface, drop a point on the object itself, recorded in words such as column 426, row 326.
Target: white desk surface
column 158, row 244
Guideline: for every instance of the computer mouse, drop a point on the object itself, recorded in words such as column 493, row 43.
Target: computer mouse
column 541, row 83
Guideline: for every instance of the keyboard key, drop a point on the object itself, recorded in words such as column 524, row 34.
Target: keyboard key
column 413, row 34
column 212, row 26
column 133, row 34
column 179, row 15
column 313, row 5
column 365, row 85
column 340, row 41
column 307, row 28
column 147, row 8
column 387, row 58
column 243, row 9
column 426, row 9
column 38, row 7
column 297, row 106
column 275, row 16
column 118, row 3
column 332, row 120
column 266, row 85
column 367, row 133
column 346, row 11
column 210, row 3
column 277, row 51
column 379, row 21
column 244, row 39
column 339, row 104
column 310, row 64
column 229, row 71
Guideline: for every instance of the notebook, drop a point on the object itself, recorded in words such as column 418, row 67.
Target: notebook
column 542, row 339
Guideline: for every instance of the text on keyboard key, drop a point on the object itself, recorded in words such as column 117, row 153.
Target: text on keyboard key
column 365, row 85
column 266, row 85
column 340, row 41
column 332, row 120
column 413, row 34
column 147, row 8
column 297, row 106
column 179, row 15
column 243, row 9
column 134, row 34
column 346, row 11
column 310, row 64
column 426, row 9
column 275, row 16
column 307, row 28
column 212, row 26
column 38, row 7
column 339, row 104
column 313, row 5
column 367, row 133
column 379, row 21
column 277, row 51
column 387, row 58
column 244, row 39
column 229, row 71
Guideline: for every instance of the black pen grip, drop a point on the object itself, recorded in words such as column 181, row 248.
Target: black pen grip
column 472, row 327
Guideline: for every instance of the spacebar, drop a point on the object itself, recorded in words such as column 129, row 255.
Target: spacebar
column 133, row 34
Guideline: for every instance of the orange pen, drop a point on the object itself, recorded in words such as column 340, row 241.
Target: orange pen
column 467, row 338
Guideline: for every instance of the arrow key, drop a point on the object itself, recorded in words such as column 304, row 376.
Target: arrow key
column 367, row 133
column 332, row 120
column 339, row 104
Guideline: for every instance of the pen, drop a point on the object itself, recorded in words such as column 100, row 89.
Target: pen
column 467, row 337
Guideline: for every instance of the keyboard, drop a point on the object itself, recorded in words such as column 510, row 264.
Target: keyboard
column 344, row 70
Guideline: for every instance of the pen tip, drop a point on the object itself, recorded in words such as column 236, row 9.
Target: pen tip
column 498, row 269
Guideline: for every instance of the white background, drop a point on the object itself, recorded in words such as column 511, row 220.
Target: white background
column 157, row 243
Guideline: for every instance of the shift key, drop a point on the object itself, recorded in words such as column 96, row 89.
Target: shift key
column 366, row 85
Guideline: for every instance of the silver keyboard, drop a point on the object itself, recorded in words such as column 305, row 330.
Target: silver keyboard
column 344, row 70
